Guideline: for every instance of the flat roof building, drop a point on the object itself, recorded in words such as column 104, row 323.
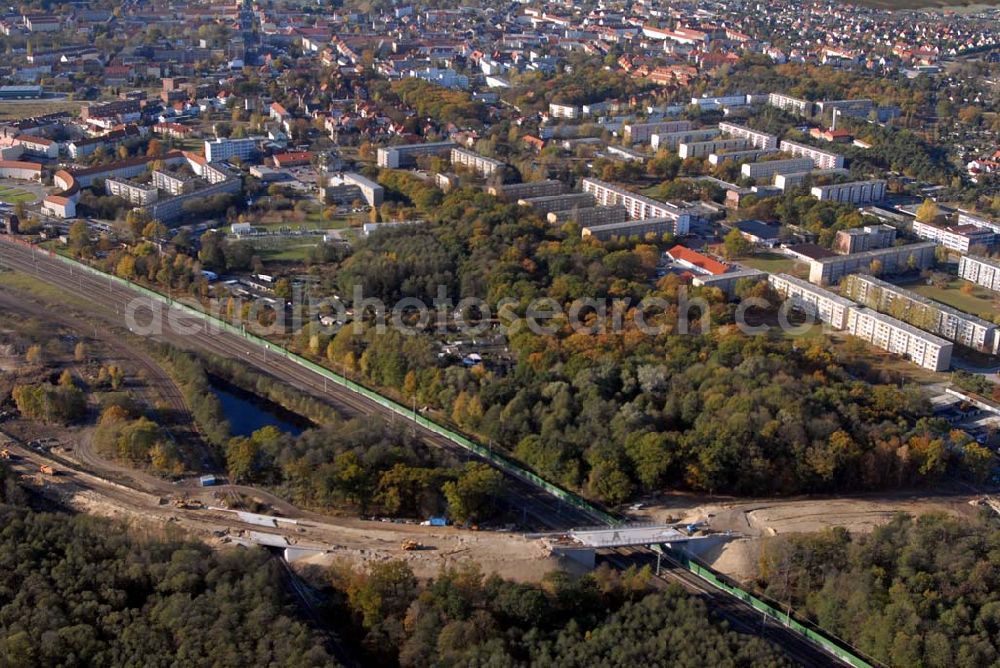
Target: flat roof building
column 474, row 161
column 638, row 206
column 700, row 149
column 893, row 260
column 958, row 238
column 671, row 140
column 636, row 133
column 511, row 192
column 980, row 270
column 757, row 139
column 395, row 157
column 822, row 159
column 768, row 168
column 814, row 301
column 632, row 228
column 944, row 321
column 895, row 336
column 853, row 192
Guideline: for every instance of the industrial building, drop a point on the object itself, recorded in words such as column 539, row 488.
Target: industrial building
column 959, row 238
column 812, row 300
column 980, row 270
column 511, row 192
column 822, row 159
column 768, row 168
column 636, row 133
column 638, row 206
column 894, row 260
column 919, row 311
column 895, row 336
column 852, row 192
column 395, row 157
column 756, row 139
column 472, row 160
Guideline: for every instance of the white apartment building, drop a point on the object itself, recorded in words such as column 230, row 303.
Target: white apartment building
column 671, row 140
column 700, row 149
column 738, row 157
column 893, row 260
column 785, row 181
column 638, row 206
column 791, row 104
column 813, row 300
column 756, row 139
column 472, row 160
column 895, row 336
column 980, row 270
column 394, row 157
column 634, row 228
column 564, row 111
column 919, row 311
column 635, row 133
column 217, row 150
column 853, row 192
column 549, row 203
column 958, row 238
column 768, row 168
column 822, row 159
column 511, row 192
column 133, row 193
column 589, row 216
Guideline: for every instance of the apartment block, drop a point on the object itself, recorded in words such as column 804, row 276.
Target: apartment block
column 822, row 159
column 700, row 149
column 785, row 181
column 545, row 205
column 791, row 104
column 221, row 149
column 589, row 216
column 636, row 133
column 564, row 111
column 853, row 192
column 944, row 321
column 893, row 260
column 740, row 156
column 968, row 219
column 511, row 192
column 635, row 228
column 727, row 282
column 980, row 270
column 671, row 140
column 756, row 139
column 639, row 207
column 347, row 187
column 472, row 160
column 812, row 300
column 133, row 193
column 396, row 157
column 958, row 238
column 175, row 184
column 768, row 168
column 861, row 239
column 895, row 336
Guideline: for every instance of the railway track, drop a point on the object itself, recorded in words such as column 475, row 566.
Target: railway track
column 548, row 511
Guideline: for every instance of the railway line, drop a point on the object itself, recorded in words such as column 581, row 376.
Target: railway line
column 548, row 511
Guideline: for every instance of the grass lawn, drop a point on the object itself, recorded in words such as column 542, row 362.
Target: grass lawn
column 15, row 195
column 289, row 253
column 15, row 280
column 17, row 110
column 980, row 301
column 774, row 263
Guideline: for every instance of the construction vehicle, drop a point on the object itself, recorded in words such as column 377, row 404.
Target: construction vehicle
column 409, row 545
column 46, row 469
column 186, row 504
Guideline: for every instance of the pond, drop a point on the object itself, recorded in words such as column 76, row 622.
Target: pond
column 247, row 412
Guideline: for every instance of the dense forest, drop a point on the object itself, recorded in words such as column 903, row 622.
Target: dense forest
column 79, row 591
column 915, row 592
column 605, row 618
